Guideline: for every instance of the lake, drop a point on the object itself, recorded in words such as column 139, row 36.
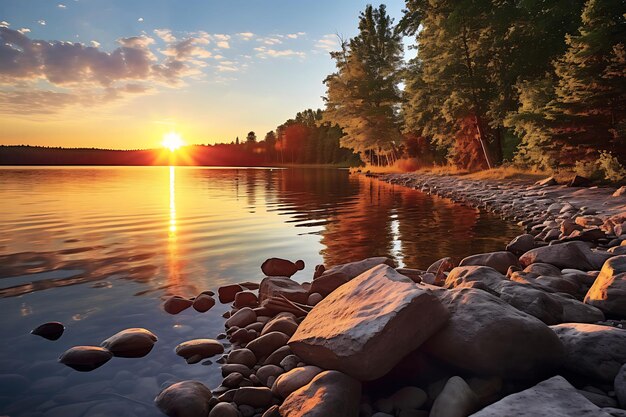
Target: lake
column 98, row 248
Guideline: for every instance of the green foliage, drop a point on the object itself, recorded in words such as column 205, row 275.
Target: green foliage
column 606, row 167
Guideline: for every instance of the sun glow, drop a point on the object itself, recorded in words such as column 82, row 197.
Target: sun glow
column 172, row 141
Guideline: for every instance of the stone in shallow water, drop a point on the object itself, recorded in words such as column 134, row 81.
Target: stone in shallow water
column 203, row 303
column 368, row 324
column 51, row 330
column 185, row 399
column 227, row 293
column 176, row 304
column 554, row 397
column 130, row 343
column 330, row 393
column 85, row 358
column 199, row 349
column 277, row 267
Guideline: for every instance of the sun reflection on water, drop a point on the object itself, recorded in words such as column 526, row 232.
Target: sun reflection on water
column 173, row 264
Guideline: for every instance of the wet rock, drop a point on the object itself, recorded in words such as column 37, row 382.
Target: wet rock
column 576, row 255
column 243, row 357
column 242, row 318
column 284, row 325
column 268, row 343
column 521, row 244
column 296, row 378
column 203, row 303
column 277, row 267
column 246, row 299
column 456, row 400
column 464, row 274
column 184, row 399
column 267, row 371
column 85, row 358
column 223, row 410
column 130, row 343
column 52, row 330
column 256, row 397
column 227, row 293
column 176, row 304
column 608, row 292
column 199, row 349
column 365, row 311
column 554, row 397
column 500, row 261
column 282, row 286
column 487, row 336
column 592, row 350
column 330, row 393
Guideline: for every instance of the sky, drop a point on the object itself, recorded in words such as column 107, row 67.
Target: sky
column 120, row 74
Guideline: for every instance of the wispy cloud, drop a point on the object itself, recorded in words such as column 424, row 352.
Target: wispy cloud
column 42, row 22
column 295, row 35
column 23, row 30
column 328, row 43
column 61, row 6
column 264, row 52
column 4, row 24
column 246, row 36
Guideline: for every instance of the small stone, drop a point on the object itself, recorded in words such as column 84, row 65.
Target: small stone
column 203, row 303
column 176, row 304
column 227, row 293
column 285, row 325
column 278, row 355
column 242, row 318
column 51, row 330
column 253, row 396
column 223, row 409
column 314, row 299
column 243, row 357
column 130, row 343
column 235, row 367
column 246, row 299
column 232, row 380
column 268, row 343
column 290, row 362
column 267, row 371
column 85, row 358
column 199, row 349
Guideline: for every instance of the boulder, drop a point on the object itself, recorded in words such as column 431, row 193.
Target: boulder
column 592, row 350
column 277, row 267
column 130, row 343
column 330, row 393
column 377, row 318
column 198, row 349
column 185, row 399
column 487, row 336
column 354, row 269
column 203, row 303
column 554, row 397
column 328, row 282
column 521, row 244
column 85, row 358
column 242, row 318
column 532, row 301
column 51, row 330
column 455, row 400
column 176, row 304
column 500, row 261
column 227, row 293
column 608, row 292
column 290, row 381
column 576, row 255
column 620, row 386
column 288, row 288
column 464, row 274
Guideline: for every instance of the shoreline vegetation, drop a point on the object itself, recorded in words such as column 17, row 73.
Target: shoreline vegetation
column 536, row 329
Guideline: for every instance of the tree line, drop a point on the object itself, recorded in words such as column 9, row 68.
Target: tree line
column 534, row 83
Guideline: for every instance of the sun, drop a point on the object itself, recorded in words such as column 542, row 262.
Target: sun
column 172, row 141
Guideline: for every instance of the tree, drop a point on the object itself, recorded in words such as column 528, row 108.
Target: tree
column 363, row 96
column 270, row 146
column 251, row 138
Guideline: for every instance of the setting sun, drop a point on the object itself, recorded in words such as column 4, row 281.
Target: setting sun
column 172, row 141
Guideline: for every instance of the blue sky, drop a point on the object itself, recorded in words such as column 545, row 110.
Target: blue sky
column 120, row 73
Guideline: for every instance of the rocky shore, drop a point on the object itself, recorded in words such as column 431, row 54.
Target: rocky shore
column 533, row 330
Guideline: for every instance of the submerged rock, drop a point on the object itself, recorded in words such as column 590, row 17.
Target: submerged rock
column 487, row 336
column 608, row 292
column 130, row 343
column 330, row 393
column 185, row 399
column 376, row 319
column 52, row 330
column 85, row 358
column 277, row 267
column 554, row 397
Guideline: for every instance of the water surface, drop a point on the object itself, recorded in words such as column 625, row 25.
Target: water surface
column 98, row 248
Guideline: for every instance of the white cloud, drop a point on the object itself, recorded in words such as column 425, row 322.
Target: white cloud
column 61, row 6
column 23, row 30
column 95, row 44
column 328, row 43
column 270, row 41
column 165, row 35
column 140, row 19
column 42, row 22
column 227, row 68
column 4, row 24
column 221, row 40
column 295, row 35
column 218, row 57
column 264, row 52
column 246, row 36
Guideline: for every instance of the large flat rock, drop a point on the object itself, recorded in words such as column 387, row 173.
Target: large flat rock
column 592, row 350
column 369, row 324
column 554, row 397
column 608, row 292
column 487, row 336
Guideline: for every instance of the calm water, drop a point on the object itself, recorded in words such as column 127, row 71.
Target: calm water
column 98, row 249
